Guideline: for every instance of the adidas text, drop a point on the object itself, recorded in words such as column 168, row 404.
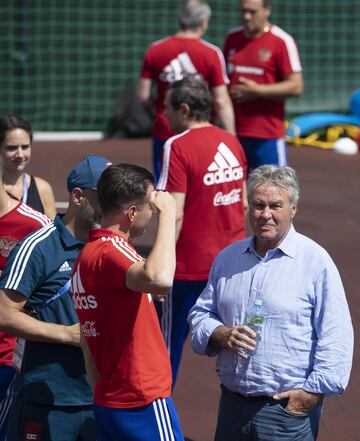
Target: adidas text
column 223, row 175
column 84, row 302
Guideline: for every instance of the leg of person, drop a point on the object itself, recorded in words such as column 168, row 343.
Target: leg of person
column 273, row 422
column 158, row 145
column 7, row 374
column 262, row 419
column 264, row 151
column 175, row 312
column 249, row 145
column 87, row 430
column 233, row 422
column 157, row 421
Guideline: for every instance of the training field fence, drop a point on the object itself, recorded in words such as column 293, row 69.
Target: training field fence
column 63, row 63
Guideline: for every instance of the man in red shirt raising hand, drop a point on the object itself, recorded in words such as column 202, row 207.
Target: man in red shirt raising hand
column 124, row 351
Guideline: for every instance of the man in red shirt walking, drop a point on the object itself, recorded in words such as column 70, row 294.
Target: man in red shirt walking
column 177, row 56
column 204, row 168
column 112, row 286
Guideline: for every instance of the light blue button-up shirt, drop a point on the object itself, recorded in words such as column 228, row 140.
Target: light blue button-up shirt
column 307, row 336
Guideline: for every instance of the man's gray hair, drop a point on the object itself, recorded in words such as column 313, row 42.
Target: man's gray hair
column 193, row 13
column 276, row 176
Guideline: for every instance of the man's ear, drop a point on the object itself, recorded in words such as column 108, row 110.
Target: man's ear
column 185, row 109
column 131, row 213
column 293, row 210
column 76, row 195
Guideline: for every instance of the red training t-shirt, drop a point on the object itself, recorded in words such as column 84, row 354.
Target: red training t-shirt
column 14, row 225
column 121, row 326
column 209, row 165
column 172, row 59
column 265, row 60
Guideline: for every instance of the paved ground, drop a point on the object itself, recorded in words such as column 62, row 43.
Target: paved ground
column 329, row 213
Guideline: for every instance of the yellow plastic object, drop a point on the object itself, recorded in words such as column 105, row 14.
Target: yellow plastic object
column 326, row 139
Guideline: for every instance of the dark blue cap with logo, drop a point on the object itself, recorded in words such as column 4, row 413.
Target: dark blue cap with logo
column 87, row 172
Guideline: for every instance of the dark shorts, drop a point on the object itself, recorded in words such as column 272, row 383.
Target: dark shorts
column 264, row 151
column 41, row 422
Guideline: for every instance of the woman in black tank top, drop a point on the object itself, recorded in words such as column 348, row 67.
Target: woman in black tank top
column 15, row 148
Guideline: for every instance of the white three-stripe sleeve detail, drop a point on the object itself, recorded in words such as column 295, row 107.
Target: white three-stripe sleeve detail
column 43, row 217
column 166, row 161
column 32, row 216
column 290, row 46
column 157, row 416
column 23, row 255
column 129, row 248
column 167, row 419
column 123, row 251
column 221, row 59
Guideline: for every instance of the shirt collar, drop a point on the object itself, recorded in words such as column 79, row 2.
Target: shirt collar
column 69, row 240
column 287, row 246
column 97, row 233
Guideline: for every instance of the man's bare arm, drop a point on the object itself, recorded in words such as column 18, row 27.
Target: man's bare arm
column 180, row 204
column 246, row 90
column 224, row 108
column 14, row 321
column 156, row 274
column 143, row 91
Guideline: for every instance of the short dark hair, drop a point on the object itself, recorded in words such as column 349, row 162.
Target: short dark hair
column 12, row 122
column 195, row 93
column 122, row 184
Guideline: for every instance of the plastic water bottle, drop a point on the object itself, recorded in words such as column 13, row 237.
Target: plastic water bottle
column 254, row 319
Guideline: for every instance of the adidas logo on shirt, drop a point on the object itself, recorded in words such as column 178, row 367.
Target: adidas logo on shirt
column 224, row 168
column 178, row 68
column 65, row 267
column 81, row 300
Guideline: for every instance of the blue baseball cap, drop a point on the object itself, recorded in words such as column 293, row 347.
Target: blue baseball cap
column 87, row 172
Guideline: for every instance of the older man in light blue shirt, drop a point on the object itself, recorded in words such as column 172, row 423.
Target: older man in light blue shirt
column 306, row 345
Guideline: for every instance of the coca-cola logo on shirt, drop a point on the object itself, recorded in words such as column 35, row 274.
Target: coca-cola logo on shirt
column 227, row 199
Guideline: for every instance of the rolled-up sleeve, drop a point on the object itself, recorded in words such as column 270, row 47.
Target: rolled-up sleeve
column 335, row 336
column 204, row 319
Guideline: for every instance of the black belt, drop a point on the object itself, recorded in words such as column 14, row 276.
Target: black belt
column 250, row 397
column 256, row 397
